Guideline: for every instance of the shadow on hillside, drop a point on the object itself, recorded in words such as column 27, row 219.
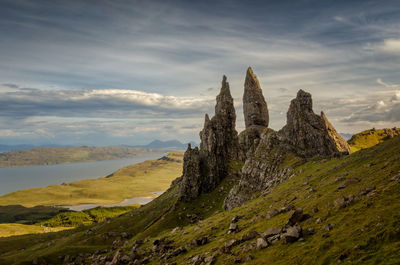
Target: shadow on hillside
column 25, row 215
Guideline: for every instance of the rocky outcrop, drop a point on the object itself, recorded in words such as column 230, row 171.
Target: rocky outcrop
column 309, row 133
column 191, row 183
column 204, row 169
column 264, row 150
column 254, row 106
column 262, row 170
column 305, row 135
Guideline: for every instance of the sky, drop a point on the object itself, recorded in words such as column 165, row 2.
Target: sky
column 102, row 72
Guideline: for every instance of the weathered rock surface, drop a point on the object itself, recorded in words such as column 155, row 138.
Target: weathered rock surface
column 255, row 108
column 309, row 133
column 191, row 182
column 204, row 169
column 262, row 170
column 249, row 139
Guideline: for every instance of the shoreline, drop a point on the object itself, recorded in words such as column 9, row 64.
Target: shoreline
column 125, row 202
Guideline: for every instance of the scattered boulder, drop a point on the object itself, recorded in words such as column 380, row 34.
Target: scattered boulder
column 200, row 241
column 348, row 182
column 363, row 192
column 249, row 236
column 261, row 243
column 343, row 202
column 272, row 213
column 233, row 228
column 295, row 217
column 291, row 234
column 271, row 232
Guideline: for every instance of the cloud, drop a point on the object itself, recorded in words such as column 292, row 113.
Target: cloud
column 379, row 81
column 391, row 46
column 114, row 103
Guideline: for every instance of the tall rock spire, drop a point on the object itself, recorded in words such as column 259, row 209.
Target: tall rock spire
column 254, row 106
column 205, row 169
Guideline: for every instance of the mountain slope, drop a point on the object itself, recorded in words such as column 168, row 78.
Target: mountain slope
column 366, row 230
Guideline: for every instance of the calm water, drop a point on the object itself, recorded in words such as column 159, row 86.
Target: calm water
column 18, row 178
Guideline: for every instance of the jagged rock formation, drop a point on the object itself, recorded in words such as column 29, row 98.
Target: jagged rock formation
column 191, row 170
column 305, row 135
column 311, row 134
column 254, row 106
column 219, row 145
column 264, row 150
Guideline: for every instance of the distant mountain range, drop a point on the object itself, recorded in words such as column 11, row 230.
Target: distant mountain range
column 346, row 136
column 167, row 145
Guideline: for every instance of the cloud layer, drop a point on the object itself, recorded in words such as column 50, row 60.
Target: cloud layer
column 130, row 71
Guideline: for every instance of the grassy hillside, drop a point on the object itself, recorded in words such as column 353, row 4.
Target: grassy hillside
column 86, row 217
column 369, row 138
column 7, row 230
column 363, row 230
column 137, row 180
column 60, row 155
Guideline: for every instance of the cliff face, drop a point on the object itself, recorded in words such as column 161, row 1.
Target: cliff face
column 263, row 149
column 311, row 134
column 205, row 168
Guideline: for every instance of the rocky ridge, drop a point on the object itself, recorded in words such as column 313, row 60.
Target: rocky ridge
column 262, row 149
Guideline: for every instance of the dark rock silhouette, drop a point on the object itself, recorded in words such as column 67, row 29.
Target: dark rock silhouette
column 219, row 145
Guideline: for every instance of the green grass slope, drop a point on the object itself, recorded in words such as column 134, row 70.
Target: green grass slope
column 367, row 231
column 60, row 155
column 137, row 180
column 369, row 138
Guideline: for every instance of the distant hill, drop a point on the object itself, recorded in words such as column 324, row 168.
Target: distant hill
column 167, row 145
column 369, row 138
column 8, row 148
column 61, row 155
column 346, row 136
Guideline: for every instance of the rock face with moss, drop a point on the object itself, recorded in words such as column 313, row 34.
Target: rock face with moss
column 309, row 133
column 262, row 170
column 219, row 145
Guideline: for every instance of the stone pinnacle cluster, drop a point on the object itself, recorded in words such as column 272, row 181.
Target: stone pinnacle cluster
column 204, row 169
column 262, row 149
